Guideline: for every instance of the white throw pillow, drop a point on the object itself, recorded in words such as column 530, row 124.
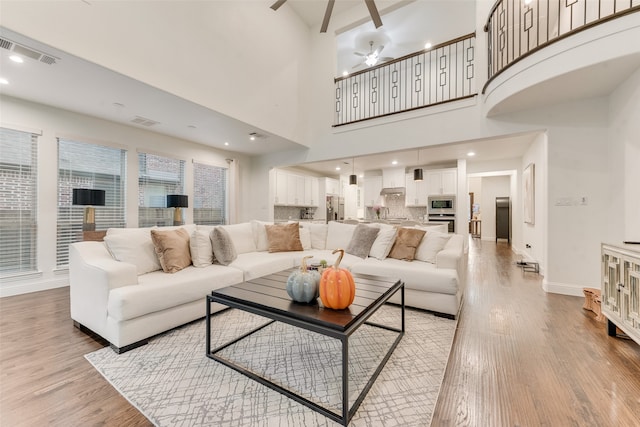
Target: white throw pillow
column 318, row 234
column 305, row 238
column 201, row 249
column 339, row 235
column 432, row 243
column 384, row 241
column 242, row 237
column 260, row 235
column 134, row 247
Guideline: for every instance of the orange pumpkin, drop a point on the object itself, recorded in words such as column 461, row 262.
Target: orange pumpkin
column 337, row 288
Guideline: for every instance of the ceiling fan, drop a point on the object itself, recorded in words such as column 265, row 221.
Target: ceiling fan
column 373, row 57
column 373, row 11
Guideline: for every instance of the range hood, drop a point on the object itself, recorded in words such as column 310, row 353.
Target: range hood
column 399, row 191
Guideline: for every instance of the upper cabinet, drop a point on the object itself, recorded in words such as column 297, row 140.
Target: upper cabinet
column 372, row 186
column 292, row 189
column 442, row 181
column 393, row 177
column 417, row 191
column 332, row 186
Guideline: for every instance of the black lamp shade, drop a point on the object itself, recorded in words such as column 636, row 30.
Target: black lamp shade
column 177, row 201
column 353, row 179
column 88, row 197
column 417, row 174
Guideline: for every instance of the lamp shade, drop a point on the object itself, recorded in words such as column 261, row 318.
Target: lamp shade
column 417, row 174
column 177, row 201
column 353, row 179
column 88, row 197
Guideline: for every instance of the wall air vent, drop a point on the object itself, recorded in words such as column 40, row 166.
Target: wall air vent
column 27, row 52
column 144, row 122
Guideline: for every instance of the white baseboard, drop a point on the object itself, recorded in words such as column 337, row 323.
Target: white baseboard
column 562, row 288
column 18, row 288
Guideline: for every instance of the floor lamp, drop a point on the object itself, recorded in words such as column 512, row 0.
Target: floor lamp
column 89, row 199
column 178, row 202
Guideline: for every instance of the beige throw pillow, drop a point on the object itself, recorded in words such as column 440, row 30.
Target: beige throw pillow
column 284, row 237
column 201, row 250
column 172, row 248
column 406, row 243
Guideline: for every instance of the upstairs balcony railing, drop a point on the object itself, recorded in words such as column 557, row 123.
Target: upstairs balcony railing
column 433, row 76
column 518, row 28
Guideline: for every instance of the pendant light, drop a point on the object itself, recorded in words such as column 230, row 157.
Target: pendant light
column 417, row 173
column 353, row 178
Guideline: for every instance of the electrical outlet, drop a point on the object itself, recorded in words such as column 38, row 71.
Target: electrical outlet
column 528, row 246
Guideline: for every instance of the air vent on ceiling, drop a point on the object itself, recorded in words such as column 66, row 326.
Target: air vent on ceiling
column 143, row 121
column 27, row 52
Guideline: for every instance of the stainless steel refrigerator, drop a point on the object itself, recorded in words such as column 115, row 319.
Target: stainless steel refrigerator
column 503, row 218
column 335, row 208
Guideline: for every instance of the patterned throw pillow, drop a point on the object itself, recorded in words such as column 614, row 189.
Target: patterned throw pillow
column 223, row 249
column 362, row 240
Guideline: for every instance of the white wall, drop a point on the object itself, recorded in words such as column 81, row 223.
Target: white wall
column 52, row 123
column 535, row 234
column 239, row 58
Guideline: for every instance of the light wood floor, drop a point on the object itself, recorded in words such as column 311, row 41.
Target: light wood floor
column 520, row 358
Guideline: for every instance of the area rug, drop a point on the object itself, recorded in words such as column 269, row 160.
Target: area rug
column 173, row 383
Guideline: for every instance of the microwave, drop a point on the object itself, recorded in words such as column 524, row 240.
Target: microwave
column 442, row 204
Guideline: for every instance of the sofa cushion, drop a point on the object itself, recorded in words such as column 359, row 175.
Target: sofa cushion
column 305, row 238
column 339, row 235
column 384, row 241
column 172, row 248
column 432, row 243
column 242, row 237
column 158, row 291
column 417, row 275
column 407, row 241
column 133, row 246
column 284, row 237
column 362, row 240
column 258, row 264
column 318, row 234
column 224, row 250
column 201, row 249
column 260, row 234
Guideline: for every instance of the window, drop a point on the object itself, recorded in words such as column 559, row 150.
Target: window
column 210, row 194
column 83, row 165
column 18, row 202
column 157, row 177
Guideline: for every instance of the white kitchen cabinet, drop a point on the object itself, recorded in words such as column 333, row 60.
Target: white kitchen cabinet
column 416, row 192
column 292, row 189
column 442, row 181
column 372, row 187
column 393, row 177
column 332, row 186
column 620, row 293
column 310, row 191
column 280, row 196
column 295, row 190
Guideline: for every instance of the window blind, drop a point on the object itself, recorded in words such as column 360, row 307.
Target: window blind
column 209, row 194
column 157, row 177
column 85, row 165
column 18, row 202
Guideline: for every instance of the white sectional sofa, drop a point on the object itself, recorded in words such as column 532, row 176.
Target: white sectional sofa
column 120, row 291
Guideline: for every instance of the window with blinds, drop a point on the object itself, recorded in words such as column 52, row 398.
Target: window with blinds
column 84, row 165
column 18, row 202
column 209, row 194
column 157, row 177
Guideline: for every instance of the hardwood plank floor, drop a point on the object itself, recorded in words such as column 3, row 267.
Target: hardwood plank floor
column 521, row 357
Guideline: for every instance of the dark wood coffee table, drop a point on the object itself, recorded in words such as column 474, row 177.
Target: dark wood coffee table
column 267, row 297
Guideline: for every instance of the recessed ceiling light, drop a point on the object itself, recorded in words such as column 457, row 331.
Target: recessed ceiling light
column 427, row 45
column 345, row 73
column 361, row 175
column 395, row 162
column 226, row 143
column 337, row 168
column 16, row 58
column 3, row 81
column 471, row 154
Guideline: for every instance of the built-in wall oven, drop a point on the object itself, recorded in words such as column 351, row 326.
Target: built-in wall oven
column 443, row 209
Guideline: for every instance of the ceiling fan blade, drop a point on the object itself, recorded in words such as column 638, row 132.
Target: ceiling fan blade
column 327, row 15
column 277, row 4
column 359, row 54
column 385, row 59
column 379, row 49
column 373, row 11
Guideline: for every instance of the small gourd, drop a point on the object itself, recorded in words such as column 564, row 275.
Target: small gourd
column 337, row 288
column 302, row 284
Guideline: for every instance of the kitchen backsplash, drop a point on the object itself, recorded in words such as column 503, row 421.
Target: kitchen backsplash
column 395, row 208
column 282, row 213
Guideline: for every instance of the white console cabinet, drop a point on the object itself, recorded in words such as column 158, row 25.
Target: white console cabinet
column 621, row 289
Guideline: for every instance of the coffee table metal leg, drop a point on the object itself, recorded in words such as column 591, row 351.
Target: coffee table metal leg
column 345, row 380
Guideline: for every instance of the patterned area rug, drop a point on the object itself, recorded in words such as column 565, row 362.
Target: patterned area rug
column 173, row 383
